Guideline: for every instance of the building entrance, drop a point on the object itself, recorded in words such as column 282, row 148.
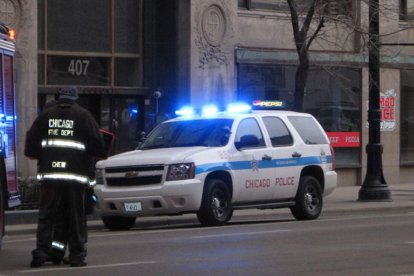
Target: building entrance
column 123, row 115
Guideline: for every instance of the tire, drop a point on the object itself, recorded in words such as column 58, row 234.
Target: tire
column 118, row 223
column 215, row 207
column 309, row 199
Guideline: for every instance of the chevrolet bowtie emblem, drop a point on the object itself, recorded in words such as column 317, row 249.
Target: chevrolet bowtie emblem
column 131, row 174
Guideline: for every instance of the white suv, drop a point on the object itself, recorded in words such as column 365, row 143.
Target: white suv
column 213, row 164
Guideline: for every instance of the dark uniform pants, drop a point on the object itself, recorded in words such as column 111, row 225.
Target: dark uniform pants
column 60, row 229
column 62, row 205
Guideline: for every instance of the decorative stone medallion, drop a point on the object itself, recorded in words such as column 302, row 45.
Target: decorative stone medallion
column 213, row 29
column 213, row 25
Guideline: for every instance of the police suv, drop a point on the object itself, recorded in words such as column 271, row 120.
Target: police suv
column 215, row 162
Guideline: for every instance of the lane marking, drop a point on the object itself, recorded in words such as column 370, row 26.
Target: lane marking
column 20, row 240
column 240, row 234
column 42, row 270
column 132, row 232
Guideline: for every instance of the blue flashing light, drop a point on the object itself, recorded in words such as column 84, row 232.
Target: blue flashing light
column 133, row 111
column 209, row 110
column 238, row 108
column 185, row 111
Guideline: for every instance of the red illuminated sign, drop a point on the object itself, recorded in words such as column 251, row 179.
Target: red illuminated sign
column 344, row 139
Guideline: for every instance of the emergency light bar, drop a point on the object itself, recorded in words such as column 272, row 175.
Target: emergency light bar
column 185, row 111
column 239, row 108
column 232, row 108
column 210, row 109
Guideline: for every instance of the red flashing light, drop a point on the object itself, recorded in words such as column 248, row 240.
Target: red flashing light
column 12, row 34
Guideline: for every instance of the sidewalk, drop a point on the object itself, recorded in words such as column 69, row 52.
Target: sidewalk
column 343, row 199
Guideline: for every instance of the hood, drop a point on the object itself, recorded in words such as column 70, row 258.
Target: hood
column 153, row 156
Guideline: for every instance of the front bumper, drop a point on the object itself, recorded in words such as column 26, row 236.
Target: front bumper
column 169, row 198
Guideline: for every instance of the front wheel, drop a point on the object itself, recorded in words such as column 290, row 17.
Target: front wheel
column 215, row 207
column 118, row 223
column 308, row 199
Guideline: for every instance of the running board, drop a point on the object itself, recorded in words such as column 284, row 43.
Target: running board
column 270, row 205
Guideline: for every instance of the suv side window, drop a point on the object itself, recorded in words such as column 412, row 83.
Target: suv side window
column 249, row 134
column 308, row 129
column 278, row 132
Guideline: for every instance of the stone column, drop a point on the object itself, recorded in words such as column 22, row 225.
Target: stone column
column 212, row 66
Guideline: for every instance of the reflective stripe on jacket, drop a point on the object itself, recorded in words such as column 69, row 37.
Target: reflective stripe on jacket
column 66, row 140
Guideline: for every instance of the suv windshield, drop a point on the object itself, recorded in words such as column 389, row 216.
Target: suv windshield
column 205, row 133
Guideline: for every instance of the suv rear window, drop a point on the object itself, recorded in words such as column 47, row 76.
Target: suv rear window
column 308, row 129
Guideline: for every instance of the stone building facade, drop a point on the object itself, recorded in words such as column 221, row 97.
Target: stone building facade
column 215, row 51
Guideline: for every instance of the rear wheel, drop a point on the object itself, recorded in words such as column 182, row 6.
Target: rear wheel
column 308, row 199
column 216, row 204
column 118, row 223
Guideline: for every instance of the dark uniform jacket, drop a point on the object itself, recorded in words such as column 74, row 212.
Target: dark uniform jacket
column 65, row 138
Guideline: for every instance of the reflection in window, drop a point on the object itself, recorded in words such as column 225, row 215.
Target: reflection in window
column 249, row 128
column 127, row 26
column 127, row 72
column 40, row 25
column 78, row 70
column 407, row 117
column 306, row 127
column 407, row 9
column 79, row 25
column 331, row 7
column 278, row 132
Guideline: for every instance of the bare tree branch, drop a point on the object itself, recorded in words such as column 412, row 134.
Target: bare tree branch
column 309, row 17
column 315, row 34
column 295, row 18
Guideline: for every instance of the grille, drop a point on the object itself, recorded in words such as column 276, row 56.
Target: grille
column 135, row 168
column 135, row 181
column 142, row 177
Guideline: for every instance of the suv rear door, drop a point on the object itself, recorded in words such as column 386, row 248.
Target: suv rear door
column 285, row 157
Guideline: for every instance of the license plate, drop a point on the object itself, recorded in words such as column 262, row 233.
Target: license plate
column 133, row 206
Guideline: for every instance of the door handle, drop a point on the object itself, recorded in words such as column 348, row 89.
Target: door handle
column 296, row 154
column 266, row 157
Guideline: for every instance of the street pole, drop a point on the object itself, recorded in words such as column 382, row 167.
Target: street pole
column 374, row 187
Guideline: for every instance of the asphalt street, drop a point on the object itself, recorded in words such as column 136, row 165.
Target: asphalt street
column 343, row 199
column 357, row 242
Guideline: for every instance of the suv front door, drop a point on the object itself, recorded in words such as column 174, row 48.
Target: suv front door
column 253, row 172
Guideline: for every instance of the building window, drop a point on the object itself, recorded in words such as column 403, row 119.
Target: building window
column 406, row 9
column 331, row 7
column 333, row 96
column 95, row 43
column 407, row 118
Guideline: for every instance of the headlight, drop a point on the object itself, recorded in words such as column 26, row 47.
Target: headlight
column 99, row 176
column 180, row 171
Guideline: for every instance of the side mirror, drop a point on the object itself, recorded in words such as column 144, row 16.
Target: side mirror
column 247, row 141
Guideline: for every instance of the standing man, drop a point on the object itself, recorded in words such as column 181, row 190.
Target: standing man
column 64, row 139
